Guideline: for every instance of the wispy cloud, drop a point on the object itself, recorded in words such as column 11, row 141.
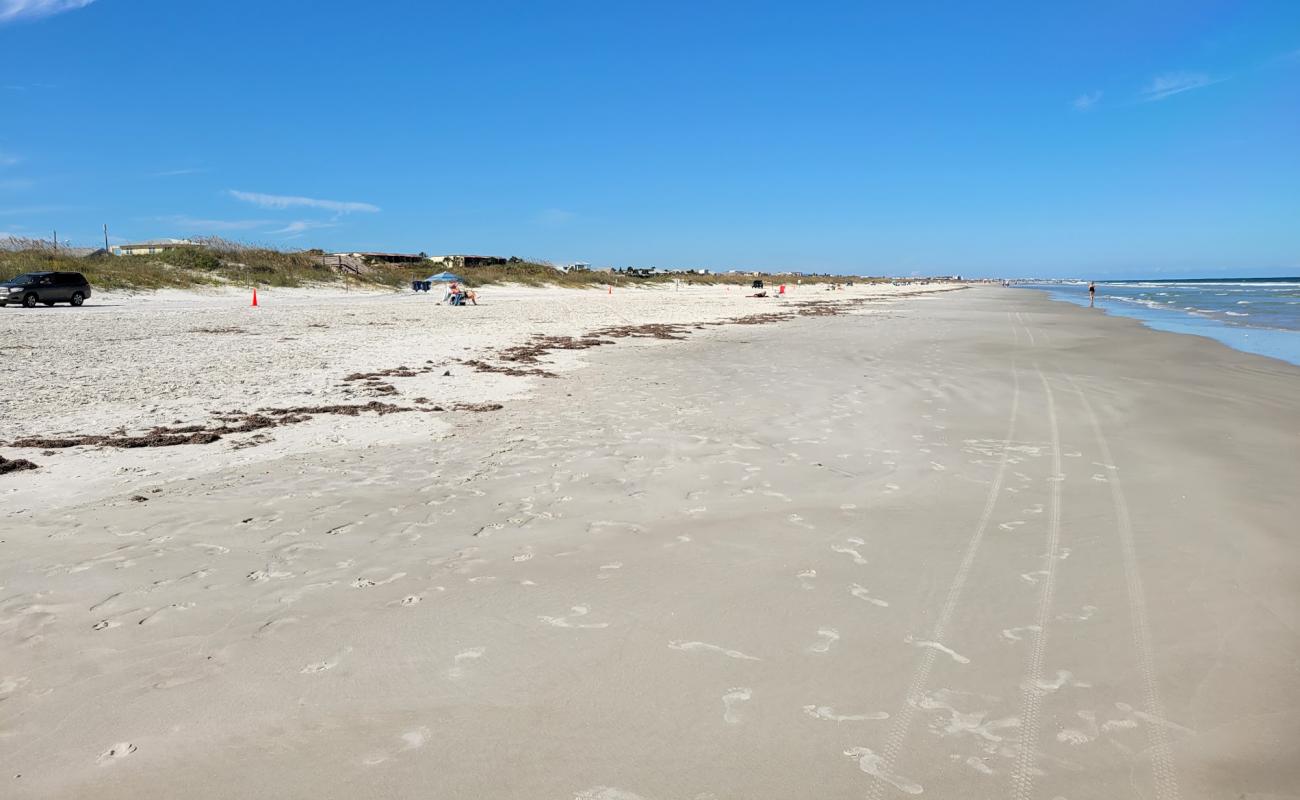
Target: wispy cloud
column 8, row 159
column 555, row 216
column 288, row 201
column 200, row 225
column 171, row 173
column 16, row 183
column 1172, row 83
column 298, row 227
column 1086, row 101
column 31, row 211
column 14, row 10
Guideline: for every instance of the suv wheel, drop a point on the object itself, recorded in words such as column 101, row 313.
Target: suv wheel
column 77, row 298
column 29, row 301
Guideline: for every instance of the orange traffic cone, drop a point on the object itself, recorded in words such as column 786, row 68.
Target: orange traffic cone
column 255, row 298
column 611, row 288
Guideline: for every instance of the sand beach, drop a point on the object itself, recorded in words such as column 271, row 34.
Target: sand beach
column 882, row 542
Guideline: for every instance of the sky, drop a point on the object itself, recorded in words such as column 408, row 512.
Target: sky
column 1095, row 139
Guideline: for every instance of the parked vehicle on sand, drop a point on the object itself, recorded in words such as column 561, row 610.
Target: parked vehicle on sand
column 45, row 287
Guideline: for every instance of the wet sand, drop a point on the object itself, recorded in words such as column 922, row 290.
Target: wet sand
column 977, row 544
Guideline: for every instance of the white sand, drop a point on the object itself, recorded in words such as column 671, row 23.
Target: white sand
column 135, row 361
column 973, row 545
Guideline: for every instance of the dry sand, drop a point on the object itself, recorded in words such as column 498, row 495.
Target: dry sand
column 975, row 544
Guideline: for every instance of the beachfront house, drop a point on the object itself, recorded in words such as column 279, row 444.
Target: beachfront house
column 384, row 258
column 453, row 262
column 151, row 247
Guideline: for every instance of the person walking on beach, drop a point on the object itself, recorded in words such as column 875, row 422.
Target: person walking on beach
column 1092, row 294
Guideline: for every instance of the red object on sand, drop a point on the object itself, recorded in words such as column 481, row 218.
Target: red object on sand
column 254, row 298
column 783, row 288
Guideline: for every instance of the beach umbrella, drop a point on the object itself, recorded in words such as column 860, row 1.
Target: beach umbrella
column 444, row 277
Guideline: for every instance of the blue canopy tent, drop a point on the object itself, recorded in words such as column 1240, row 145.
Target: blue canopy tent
column 444, row 277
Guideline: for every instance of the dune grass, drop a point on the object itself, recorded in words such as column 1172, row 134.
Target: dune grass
column 212, row 263
column 219, row 262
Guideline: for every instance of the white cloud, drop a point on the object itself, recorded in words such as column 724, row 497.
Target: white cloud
column 299, row 227
column 288, row 201
column 199, row 225
column 31, row 210
column 1172, row 83
column 14, row 10
column 174, row 172
column 1086, row 101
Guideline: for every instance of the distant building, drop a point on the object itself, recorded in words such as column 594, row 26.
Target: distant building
column 578, row 266
column 386, row 258
column 151, row 247
column 462, row 261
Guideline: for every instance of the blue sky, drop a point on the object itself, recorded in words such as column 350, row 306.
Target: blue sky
column 1102, row 139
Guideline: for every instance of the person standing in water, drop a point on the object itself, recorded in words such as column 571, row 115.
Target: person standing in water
column 1092, row 294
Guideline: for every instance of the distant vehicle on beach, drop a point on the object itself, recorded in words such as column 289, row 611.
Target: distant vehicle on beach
column 45, row 287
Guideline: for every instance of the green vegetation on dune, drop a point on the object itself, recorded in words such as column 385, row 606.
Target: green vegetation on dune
column 214, row 263
column 218, row 262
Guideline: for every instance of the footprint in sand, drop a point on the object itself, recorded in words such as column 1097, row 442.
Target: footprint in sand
column 606, row 793
column 862, row 593
column 526, row 555
column 576, row 611
column 472, row 654
column 116, row 753
column 874, row 765
column 829, row 636
column 828, row 713
column 1033, row 577
column 1075, row 736
column 327, row 664
column 1084, row 614
column 1064, row 678
column 730, row 701
column 806, row 578
column 678, row 644
column 952, row 721
column 955, row 656
column 849, row 551
column 1017, row 634
column 411, row 740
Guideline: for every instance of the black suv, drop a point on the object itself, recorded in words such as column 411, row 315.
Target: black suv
column 45, row 287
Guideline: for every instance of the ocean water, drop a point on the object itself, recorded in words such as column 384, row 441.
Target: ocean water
column 1257, row 315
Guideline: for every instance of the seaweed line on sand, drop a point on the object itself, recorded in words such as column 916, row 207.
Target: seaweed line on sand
column 530, row 354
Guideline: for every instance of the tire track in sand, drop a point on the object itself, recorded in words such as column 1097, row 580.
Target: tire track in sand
column 885, row 762
column 1162, row 762
column 1031, row 694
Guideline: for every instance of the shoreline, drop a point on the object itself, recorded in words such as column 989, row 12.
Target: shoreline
column 1282, row 344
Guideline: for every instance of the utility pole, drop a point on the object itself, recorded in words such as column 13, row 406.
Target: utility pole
column 106, row 250
column 56, row 241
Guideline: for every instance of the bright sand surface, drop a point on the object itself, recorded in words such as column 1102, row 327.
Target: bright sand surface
column 973, row 544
